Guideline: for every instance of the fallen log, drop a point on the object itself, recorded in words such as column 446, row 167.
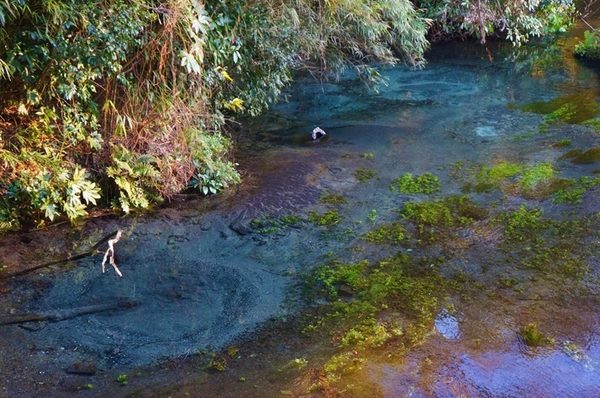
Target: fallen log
column 62, row 314
column 93, row 250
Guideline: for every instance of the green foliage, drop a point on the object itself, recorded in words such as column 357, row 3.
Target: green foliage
column 589, row 47
column 516, row 21
column 566, row 142
column 389, row 284
column 531, row 181
column 426, row 183
column 363, row 175
column 137, row 92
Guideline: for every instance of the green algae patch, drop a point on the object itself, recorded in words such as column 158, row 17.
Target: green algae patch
column 555, row 249
column 536, row 175
column 364, row 175
column 426, row 183
column 533, row 337
column 564, row 143
column 574, row 190
column 372, row 309
column 326, row 219
column 334, row 199
column 572, row 108
column 532, row 181
column 433, row 219
column 387, row 234
column 490, row 177
column 592, row 155
column 524, row 224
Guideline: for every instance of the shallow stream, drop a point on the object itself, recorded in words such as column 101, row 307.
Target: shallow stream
column 221, row 283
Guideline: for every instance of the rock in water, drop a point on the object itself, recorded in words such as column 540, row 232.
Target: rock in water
column 317, row 133
column 87, row 368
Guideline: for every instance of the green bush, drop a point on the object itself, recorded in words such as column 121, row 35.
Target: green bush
column 589, row 47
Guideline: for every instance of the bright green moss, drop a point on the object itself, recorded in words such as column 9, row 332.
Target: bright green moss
column 489, row 178
column 426, row 183
column 536, row 175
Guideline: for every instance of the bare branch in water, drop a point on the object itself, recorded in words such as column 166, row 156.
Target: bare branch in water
column 110, row 253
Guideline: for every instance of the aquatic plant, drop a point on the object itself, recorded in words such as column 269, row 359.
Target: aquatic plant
column 426, row 183
column 363, row 175
column 268, row 225
column 565, row 142
column 536, row 175
column 372, row 216
column 391, row 234
column 326, row 219
column 122, row 379
column 533, row 337
column 490, row 177
column 524, row 224
column 434, row 218
column 331, row 198
column 574, row 191
column 592, row 155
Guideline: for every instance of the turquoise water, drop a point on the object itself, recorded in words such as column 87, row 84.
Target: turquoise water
column 207, row 276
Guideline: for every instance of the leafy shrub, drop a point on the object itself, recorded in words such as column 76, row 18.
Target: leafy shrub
column 589, row 47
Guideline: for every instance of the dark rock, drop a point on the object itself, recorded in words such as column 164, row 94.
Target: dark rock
column 345, row 290
column 240, row 228
column 86, row 368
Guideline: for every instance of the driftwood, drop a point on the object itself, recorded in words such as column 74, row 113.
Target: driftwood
column 110, row 253
column 93, row 250
column 60, row 315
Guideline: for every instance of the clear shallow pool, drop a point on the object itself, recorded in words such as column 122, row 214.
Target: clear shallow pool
column 206, row 277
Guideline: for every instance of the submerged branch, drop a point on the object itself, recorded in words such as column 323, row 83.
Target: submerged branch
column 60, row 315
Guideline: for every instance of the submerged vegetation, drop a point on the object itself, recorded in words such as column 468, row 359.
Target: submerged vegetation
column 393, row 301
column 426, row 183
column 433, row 219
